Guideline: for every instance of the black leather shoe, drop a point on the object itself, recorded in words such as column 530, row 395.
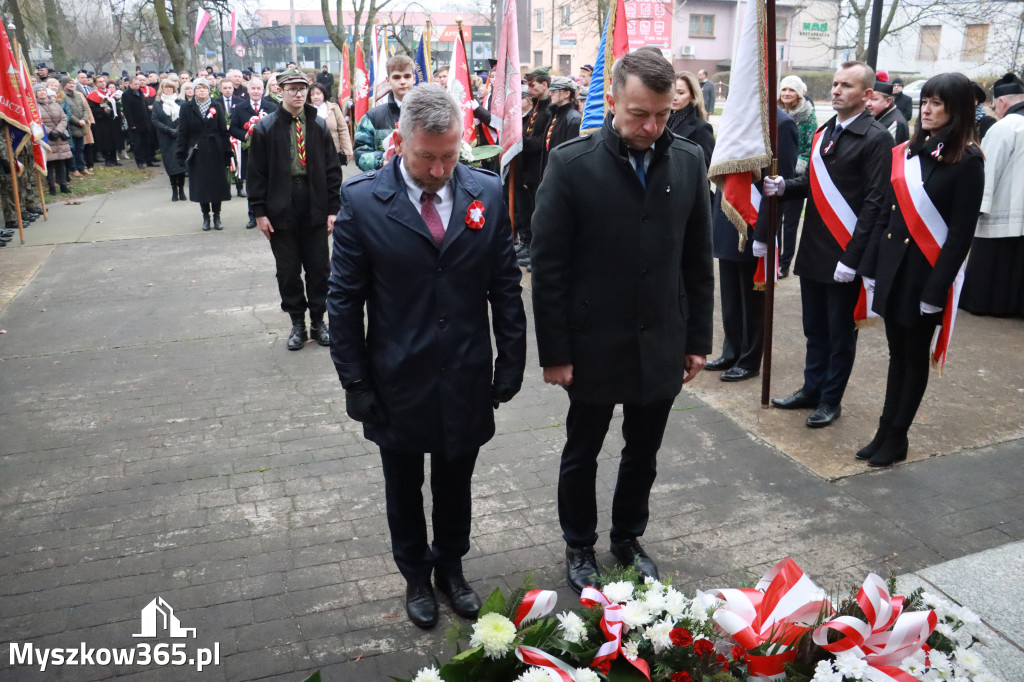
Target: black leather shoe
column 893, row 449
column 251, row 224
column 739, row 374
column 297, row 339
column 719, row 364
column 797, row 401
column 206, row 223
column 581, row 568
column 784, row 273
column 241, row 193
column 630, row 553
column 421, row 605
column 824, row 415
column 318, row 332
column 453, row 585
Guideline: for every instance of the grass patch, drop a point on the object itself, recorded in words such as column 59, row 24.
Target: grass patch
column 104, row 181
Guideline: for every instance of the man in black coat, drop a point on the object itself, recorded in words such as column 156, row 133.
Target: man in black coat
column 852, row 158
column 531, row 159
column 883, row 108
column 243, row 118
column 293, row 182
column 623, row 291
column 742, row 302
column 139, row 118
column 904, row 104
column 424, row 245
column 326, row 79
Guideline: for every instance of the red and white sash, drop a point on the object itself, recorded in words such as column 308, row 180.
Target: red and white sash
column 929, row 231
column 837, row 215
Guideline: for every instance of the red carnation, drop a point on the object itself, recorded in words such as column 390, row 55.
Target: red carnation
column 738, row 653
column 680, row 637
column 722, row 660
column 682, row 675
column 703, row 647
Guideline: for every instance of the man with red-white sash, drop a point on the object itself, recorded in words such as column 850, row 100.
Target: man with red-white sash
column 847, row 180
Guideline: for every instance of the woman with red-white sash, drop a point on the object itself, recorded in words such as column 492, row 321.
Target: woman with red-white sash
column 917, row 251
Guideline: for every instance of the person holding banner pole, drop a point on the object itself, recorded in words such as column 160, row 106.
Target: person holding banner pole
column 918, row 249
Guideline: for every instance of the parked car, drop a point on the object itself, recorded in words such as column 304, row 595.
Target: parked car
column 913, row 91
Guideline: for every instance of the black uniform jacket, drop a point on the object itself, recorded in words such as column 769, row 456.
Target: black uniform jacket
column 243, row 112
column 427, row 347
column 903, row 276
column 893, row 121
column 859, row 165
column 269, row 173
column 564, row 126
column 623, row 283
column 531, row 160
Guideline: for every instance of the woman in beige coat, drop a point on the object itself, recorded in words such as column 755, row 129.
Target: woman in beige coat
column 331, row 114
column 56, row 123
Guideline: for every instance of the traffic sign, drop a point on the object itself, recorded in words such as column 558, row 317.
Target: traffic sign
column 240, row 50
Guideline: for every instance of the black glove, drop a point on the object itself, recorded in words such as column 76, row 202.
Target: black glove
column 361, row 404
column 503, row 392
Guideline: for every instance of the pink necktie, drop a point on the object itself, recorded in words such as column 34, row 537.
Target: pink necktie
column 431, row 217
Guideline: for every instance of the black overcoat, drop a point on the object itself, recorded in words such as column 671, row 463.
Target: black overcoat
column 241, row 114
column 564, row 126
column 687, row 123
column 859, row 165
column 427, row 347
column 135, row 107
column 269, row 176
column 105, row 130
column 903, row 276
column 167, row 132
column 893, row 121
column 207, row 138
column 623, row 284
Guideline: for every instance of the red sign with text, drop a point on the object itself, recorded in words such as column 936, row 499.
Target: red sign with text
column 650, row 23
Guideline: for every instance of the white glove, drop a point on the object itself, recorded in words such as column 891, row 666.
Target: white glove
column 844, row 274
column 774, row 186
column 760, row 249
column 869, row 283
column 928, row 309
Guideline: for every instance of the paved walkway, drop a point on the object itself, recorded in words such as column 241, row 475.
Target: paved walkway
column 157, row 440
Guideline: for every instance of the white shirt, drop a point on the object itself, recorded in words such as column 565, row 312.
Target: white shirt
column 444, row 201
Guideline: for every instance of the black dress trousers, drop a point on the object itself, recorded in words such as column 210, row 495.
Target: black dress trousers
column 643, row 427
column 831, row 333
column 742, row 313
column 297, row 246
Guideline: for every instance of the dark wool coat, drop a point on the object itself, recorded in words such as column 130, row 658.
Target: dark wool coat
column 893, row 121
column 135, row 107
column 687, row 123
column 207, row 139
column 564, row 126
column 269, row 175
column 859, row 165
column 426, row 349
column 903, row 276
column 167, row 133
column 106, row 130
column 623, row 285
column 531, row 160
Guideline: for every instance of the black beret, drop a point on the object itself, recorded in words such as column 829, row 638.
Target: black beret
column 883, row 87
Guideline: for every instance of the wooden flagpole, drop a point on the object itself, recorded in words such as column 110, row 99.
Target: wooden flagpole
column 771, row 61
column 13, row 167
column 426, row 54
column 42, row 197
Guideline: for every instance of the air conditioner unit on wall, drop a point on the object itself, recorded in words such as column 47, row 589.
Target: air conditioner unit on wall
column 687, row 51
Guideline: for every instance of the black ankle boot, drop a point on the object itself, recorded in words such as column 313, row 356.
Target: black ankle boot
column 53, row 189
column 893, row 449
column 217, row 224
column 64, row 189
column 868, row 451
column 298, row 336
column 206, row 222
column 174, row 189
column 181, row 188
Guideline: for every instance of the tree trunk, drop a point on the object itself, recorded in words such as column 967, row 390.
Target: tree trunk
column 19, row 24
column 173, row 32
column 53, row 23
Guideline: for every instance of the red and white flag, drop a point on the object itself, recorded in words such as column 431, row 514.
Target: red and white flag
column 360, row 86
column 344, row 89
column 234, row 27
column 506, row 99
column 13, row 107
column 743, row 147
column 201, row 21
column 460, row 87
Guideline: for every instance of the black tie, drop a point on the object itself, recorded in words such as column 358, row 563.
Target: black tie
column 836, row 133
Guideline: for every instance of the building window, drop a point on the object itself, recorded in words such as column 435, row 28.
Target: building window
column 538, row 57
column 538, row 20
column 565, row 64
column 781, row 28
column 928, row 49
column 565, row 16
column 702, row 26
column 975, row 43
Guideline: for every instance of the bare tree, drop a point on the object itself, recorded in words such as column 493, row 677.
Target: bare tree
column 54, row 21
column 173, row 25
column 91, row 34
column 365, row 15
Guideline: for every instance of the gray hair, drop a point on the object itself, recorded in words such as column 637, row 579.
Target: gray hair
column 430, row 108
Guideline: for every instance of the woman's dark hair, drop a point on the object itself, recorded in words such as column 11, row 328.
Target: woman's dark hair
column 321, row 88
column 956, row 92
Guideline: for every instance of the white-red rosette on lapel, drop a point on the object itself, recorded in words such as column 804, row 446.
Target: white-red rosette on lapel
column 888, row 636
column 612, row 626
column 780, row 610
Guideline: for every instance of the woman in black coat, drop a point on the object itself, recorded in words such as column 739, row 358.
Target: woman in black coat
column 688, row 118
column 912, row 290
column 204, row 149
column 166, row 121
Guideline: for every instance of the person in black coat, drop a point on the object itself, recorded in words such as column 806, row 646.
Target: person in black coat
column 904, row 104
column 688, row 118
column 912, row 290
column 424, row 246
column 243, row 118
column 139, row 119
column 204, row 150
column 530, row 169
column 105, row 131
column 854, row 153
column 623, row 292
column 166, row 122
column 565, row 118
column 294, row 196
column 882, row 107
column 742, row 302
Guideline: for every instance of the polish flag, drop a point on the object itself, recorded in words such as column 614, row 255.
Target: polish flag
column 234, row 27
column 360, row 86
column 344, row 89
column 201, row 21
column 460, row 87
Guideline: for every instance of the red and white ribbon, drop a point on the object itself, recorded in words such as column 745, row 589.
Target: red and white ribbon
column 611, row 625
column 536, row 604
column 555, row 668
column 929, row 231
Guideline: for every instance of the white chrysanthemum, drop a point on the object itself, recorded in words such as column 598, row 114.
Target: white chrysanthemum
column 914, row 664
column 631, row 649
column 534, row 675
column 635, row 614
column 939, row 662
column 986, row 677
column 430, row 674
column 851, row 667
column 658, row 634
column 572, row 626
column 676, row 603
column 824, row 672
column 495, row 633
column 945, row 630
column 970, row 660
column 654, row 600
column 702, row 606
column 586, row 675
column 654, row 584
column 619, row 592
